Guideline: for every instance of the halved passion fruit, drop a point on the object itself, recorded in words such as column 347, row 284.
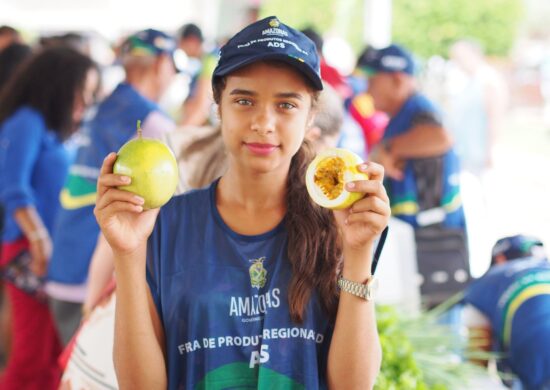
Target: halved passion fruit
column 327, row 175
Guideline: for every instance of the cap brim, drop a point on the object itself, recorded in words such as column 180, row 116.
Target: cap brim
column 310, row 74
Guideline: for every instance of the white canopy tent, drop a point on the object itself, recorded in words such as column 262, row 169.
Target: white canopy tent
column 109, row 18
column 112, row 18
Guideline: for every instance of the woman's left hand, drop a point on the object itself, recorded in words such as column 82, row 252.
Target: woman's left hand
column 361, row 223
column 41, row 250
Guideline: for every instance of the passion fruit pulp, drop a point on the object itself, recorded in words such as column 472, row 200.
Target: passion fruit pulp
column 328, row 174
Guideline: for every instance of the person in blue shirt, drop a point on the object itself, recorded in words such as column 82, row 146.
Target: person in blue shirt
column 197, row 107
column 39, row 109
column 416, row 150
column 511, row 304
column 423, row 172
column 236, row 285
column 148, row 63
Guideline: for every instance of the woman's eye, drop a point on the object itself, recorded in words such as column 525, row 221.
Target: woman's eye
column 287, row 106
column 244, row 102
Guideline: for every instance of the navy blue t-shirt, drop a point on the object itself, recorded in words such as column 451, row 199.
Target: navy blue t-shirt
column 515, row 297
column 222, row 299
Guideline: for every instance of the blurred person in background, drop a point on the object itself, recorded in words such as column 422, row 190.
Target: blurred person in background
column 544, row 71
column 11, row 59
column 329, row 73
column 422, row 172
column 76, row 41
column 416, row 149
column 361, row 106
column 477, row 107
column 197, row 107
column 147, row 57
column 40, row 108
column 8, row 35
column 350, row 133
column 510, row 306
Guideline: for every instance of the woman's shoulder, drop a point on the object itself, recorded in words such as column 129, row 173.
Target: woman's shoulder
column 192, row 201
column 26, row 115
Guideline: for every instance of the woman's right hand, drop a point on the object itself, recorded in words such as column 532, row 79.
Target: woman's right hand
column 120, row 214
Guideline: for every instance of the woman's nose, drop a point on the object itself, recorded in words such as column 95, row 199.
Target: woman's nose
column 264, row 121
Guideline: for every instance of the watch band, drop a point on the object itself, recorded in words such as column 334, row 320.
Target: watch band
column 365, row 291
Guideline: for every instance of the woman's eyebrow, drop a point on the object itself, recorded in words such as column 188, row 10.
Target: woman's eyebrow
column 245, row 92
column 289, row 95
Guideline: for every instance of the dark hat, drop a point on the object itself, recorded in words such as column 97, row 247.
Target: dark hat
column 515, row 247
column 149, row 43
column 391, row 59
column 269, row 39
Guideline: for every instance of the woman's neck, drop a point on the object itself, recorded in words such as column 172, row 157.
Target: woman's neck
column 255, row 192
column 253, row 204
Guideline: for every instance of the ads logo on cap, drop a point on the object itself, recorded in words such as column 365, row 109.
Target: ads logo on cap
column 394, row 62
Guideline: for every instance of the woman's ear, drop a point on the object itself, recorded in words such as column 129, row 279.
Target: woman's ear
column 313, row 134
column 311, row 118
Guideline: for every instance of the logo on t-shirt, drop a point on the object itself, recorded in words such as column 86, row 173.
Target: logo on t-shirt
column 256, row 305
column 258, row 274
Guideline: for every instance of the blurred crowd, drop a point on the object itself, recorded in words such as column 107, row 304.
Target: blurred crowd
column 62, row 111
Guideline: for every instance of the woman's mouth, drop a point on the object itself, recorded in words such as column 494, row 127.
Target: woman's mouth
column 260, row 148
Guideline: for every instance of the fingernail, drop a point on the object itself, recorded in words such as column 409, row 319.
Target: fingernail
column 139, row 199
column 346, row 221
column 363, row 167
column 350, row 185
column 125, row 179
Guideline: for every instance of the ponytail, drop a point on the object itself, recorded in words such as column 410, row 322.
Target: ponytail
column 314, row 247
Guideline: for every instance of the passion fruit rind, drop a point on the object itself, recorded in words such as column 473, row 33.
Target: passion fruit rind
column 327, row 175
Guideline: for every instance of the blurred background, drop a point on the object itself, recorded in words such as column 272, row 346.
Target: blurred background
column 514, row 35
column 510, row 37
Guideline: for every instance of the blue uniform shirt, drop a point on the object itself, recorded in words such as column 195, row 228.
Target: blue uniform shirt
column 33, row 167
column 515, row 297
column 76, row 229
column 432, row 180
column 222, row 299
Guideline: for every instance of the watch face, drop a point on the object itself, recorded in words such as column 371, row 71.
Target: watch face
column 372, row 287
column 374, row 284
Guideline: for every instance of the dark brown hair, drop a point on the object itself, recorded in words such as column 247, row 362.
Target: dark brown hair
column 314, row 247
column 49, row 82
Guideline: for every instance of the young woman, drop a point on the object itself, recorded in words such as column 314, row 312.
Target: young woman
column 39, row 109
column 235, row 285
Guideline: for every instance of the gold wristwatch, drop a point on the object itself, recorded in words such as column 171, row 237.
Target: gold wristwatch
column 362, row 290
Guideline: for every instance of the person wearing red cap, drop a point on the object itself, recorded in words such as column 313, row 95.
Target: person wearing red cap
column 246, row 283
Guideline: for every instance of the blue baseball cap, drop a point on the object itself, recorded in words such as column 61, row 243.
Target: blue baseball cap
column 391, row 59
column 515, row 247
column 269, row 39
column 149, row 43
